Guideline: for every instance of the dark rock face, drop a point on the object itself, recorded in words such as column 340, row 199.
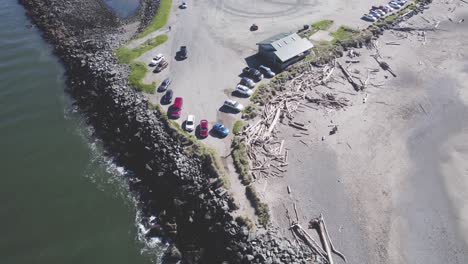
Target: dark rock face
column 178, row 187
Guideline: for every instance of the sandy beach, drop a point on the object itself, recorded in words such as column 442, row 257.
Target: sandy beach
column 392, row 182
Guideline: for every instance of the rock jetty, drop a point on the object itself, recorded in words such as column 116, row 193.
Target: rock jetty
column 178, row 186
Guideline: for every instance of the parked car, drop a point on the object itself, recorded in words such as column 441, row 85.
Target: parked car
column 182, row 54
column 233, row 105
column 243, row 90
column 394, row 5
column 176, row 109
column 156, row 60
column 378, row 11
column 161, row 66
column 167, row 97
column 387, row 8
column 253, row 73
column 220, row 129
column 164, row 85
column 375, row 14
column 369, row 18
column 267, row 71
column 400, row 2
column 183, row 5
column 247, row 82
column 203, row 128
column 190, row 123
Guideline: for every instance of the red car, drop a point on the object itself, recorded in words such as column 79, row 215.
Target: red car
column 176, row 108
column 203, row 128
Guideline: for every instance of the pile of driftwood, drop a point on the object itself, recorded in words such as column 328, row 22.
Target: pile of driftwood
column 326, row 250
column 328, row 100
column 267, row 153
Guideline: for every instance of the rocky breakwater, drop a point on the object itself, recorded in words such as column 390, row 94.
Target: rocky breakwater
column 178, row 188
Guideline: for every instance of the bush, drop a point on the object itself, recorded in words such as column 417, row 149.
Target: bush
column 160, row 19
column 125, row 55
column 250, row 112
column 138, row 71
column 261, row 209
column 245, row 221
column 238, row 127
column 241, row 160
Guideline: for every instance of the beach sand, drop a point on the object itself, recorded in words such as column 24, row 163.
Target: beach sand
column 392, row 182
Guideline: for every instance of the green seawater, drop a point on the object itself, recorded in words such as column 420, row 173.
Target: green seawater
column 59, row 200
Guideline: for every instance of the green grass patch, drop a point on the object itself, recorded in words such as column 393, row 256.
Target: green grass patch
column 321, row 25
column 238, row 127
column 126, row 55
column 241, row 160
column 344, row 33
column 261, row 209
column 160, row 19
column 138, row 71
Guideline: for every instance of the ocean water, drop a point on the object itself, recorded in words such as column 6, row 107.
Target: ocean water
column 60, row 200
column 123, row 8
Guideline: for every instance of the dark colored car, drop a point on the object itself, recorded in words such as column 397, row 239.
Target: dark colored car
column 253, row 27
column 220, row 129
column 253, row 73
column 247, row 82
column 203, row 128
column 164, row 85
column 176, row 109
column 267, row 71
column 183, row 52
column 167, row 97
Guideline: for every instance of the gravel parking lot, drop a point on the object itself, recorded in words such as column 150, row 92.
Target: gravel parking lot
column 218, row 39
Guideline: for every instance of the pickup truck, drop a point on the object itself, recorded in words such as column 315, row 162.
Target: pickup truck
column 253, row 73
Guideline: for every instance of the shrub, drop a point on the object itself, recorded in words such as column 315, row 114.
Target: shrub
column 250, row 112
column 261, row 209
column 241, row 160
column 245, row 221
column 238, row 127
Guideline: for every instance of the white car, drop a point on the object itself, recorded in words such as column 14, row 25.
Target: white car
column 157, row 59
column 380, row 11
column 243, row 90
column 190, row 123
column 394, row 5
column 233, row 105
column 375, row 14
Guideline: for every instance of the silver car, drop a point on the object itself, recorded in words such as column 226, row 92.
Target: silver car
column 247, row 82
column 233, row 105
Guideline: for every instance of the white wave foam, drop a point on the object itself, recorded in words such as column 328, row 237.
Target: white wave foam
column 111, row 178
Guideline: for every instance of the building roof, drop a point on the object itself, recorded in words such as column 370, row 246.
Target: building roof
column 287, row 45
